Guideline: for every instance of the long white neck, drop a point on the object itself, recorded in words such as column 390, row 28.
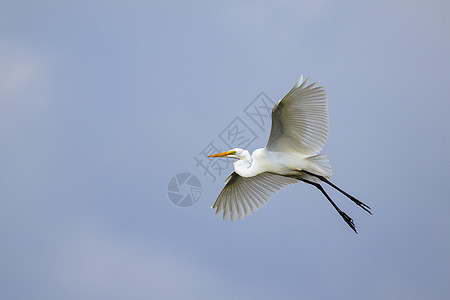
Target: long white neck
column 245, row 166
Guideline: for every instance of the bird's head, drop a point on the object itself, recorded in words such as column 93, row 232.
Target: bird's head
column 233, row 153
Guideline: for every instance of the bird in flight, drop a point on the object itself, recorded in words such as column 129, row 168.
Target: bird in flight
column 299, row 132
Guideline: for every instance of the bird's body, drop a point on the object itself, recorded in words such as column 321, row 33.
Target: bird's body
column 282, row 163
column 299, row 131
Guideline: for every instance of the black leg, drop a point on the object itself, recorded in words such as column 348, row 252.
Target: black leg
column 346, row 218
column 356, row 201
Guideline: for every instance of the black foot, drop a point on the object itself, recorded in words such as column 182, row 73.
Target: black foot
column 356, row 201
column 348, row 220
column 360, row 204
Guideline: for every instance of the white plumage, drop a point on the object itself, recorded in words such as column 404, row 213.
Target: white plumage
column 299, row 132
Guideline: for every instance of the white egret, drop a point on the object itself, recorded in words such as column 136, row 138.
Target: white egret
column 299, row 132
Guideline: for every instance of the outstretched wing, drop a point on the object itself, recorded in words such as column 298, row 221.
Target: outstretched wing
column 242, row 196
column 300, row 120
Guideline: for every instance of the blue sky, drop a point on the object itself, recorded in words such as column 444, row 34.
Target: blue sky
column 103, row 102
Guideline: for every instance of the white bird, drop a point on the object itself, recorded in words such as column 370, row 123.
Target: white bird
column 299, row 132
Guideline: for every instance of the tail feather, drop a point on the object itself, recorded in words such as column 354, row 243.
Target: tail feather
column 321, row 164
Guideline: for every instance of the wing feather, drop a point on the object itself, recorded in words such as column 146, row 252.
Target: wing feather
column 300, row 120
column 242, row 196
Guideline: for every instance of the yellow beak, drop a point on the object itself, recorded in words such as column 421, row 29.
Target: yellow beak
column 223, row 154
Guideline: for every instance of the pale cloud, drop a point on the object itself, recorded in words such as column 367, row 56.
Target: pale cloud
column 21, row 70
column 88, row 109
column 25, row 87
column 93, row 263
